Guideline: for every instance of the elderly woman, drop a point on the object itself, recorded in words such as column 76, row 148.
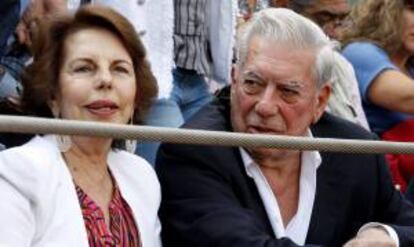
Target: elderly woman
column 380, row 46
column 78, row 190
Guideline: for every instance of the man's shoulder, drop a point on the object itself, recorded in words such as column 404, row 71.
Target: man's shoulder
column 330, row 126
column 213, row 116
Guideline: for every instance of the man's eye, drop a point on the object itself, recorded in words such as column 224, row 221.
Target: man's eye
column 289, row 91
column 252, row 86
column 290, row 95
column 252, row 83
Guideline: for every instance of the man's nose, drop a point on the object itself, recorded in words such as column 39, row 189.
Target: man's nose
column 268, row 103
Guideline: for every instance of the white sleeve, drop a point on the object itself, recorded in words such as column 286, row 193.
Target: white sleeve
column 16, row 216
column 391, row 232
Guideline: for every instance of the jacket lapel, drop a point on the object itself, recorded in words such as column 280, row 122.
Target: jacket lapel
column 330, row 202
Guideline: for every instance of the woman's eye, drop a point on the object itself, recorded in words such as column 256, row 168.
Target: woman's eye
column 122, row 69
column 82, row 69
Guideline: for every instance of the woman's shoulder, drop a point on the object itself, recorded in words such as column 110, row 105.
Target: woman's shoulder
column 368, row 59
column 29, row 165
column 363, row 49
column 37, row 150
column 362, row 44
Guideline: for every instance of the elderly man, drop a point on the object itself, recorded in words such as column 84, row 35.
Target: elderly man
column 223, row 196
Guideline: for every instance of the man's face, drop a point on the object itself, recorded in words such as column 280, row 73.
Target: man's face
column 275, row 93
column 329, row 15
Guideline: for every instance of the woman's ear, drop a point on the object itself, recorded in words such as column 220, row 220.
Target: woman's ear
column 54, row 108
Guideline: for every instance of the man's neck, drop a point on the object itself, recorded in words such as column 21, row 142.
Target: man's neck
column 283, row 179
column 284, row 172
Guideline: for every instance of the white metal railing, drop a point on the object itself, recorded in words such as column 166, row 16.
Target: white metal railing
column 19, row 124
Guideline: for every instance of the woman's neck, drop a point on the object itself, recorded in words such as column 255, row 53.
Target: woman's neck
column 90, row 153
column 87, row 163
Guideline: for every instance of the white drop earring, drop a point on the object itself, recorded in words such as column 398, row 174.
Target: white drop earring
column 131, row 145
column 64, row 143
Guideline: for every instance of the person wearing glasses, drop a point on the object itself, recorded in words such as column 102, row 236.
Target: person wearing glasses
column 330, row 15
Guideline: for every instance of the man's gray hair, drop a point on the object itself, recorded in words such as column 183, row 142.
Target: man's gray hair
column 287, row 27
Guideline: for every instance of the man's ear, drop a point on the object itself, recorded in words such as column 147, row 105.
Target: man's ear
column 322, row 101
column 234, row 74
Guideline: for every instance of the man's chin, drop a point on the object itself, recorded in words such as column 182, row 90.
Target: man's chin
column 269, row 153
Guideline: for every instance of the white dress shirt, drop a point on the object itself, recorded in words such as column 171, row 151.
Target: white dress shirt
column 297, row 228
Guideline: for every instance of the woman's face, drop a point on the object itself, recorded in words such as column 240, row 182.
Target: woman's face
column 97, row 80
column 408, row 29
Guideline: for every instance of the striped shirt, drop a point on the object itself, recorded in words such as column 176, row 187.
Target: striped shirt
column 122, row 231
column 191, row 49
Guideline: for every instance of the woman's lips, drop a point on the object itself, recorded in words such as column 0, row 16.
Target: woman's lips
column 102, row 108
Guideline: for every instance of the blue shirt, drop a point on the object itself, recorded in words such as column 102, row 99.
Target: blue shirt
column 369, row 61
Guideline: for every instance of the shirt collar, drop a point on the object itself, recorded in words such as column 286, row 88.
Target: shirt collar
column 309, row 157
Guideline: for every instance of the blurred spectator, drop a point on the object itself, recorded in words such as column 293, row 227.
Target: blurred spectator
column 345, row 100
column 18, row 22
column 380, row 46
column 279, row 3
column 248, row 7
column 12, row 55
column 328, row 14
column 203, row 42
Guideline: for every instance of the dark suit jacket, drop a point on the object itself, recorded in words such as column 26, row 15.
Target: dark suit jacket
column 209, row 200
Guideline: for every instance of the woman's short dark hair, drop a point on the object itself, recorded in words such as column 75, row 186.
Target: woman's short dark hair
column 41, row 78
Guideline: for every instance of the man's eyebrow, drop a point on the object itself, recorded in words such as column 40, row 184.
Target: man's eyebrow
column 293, row 84
column 252, row 76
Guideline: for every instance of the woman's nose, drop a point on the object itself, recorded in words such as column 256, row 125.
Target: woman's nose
column 105, row 78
